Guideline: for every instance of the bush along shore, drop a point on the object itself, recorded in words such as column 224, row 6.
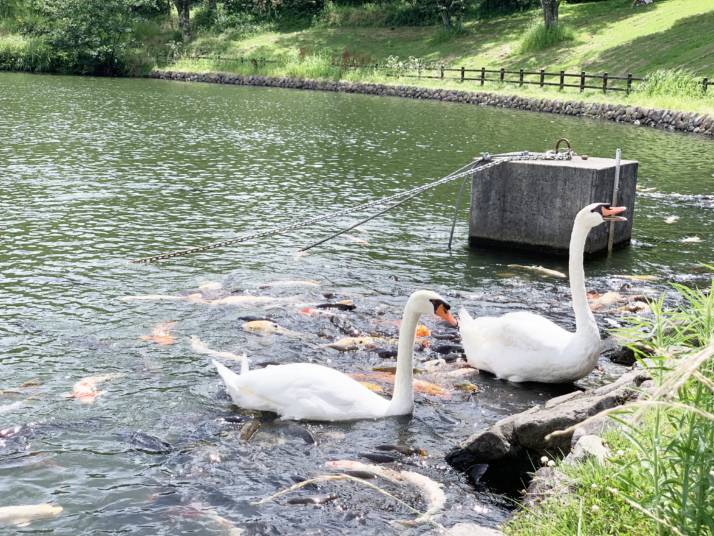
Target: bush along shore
column 691, row 122
column 633, row 457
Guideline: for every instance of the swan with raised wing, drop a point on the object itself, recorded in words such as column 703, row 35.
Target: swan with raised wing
column 305, row 391
column 523, row 346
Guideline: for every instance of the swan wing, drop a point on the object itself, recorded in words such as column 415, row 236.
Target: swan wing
column 305, row 391
column 517, row 346
column 518, row 331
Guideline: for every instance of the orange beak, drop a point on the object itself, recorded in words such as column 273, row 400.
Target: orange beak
column 442, row 313
column 611, row 213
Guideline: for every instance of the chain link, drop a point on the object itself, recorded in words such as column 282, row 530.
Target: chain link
column 486, row 161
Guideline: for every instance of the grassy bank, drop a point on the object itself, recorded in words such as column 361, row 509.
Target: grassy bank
column 321, row 68
column 660, row 474
column 608, row 36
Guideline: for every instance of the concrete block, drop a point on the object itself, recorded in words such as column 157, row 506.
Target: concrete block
column 531, row 204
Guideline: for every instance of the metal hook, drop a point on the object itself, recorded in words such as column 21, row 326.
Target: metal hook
column 561, row 140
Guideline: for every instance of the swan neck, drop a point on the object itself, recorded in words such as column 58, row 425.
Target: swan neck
column 584, row 319
column 403, row 396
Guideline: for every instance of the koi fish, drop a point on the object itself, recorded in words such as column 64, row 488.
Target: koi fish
column 599, row 301
column 22, row 515
column 539, row 269
column 161, row 333
column 356, row 239
column 291, row 283
column 200, row 347
column 85, row 390
column 345, row 344
column 640, row 277
column 247, row 300
column 267, row 327
column 430, row 489
column 420, row 386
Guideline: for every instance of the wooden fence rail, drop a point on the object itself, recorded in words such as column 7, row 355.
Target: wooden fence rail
column 604, row 82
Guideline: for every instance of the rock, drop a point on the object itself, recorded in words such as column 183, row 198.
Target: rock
column 662, row 119
column 588, row 446
column 594, row 427
column 547, row 482
column 622, row 355
column 471, row 529
column 519, row 438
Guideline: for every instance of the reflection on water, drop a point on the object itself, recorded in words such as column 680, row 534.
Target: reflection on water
column 97, row 171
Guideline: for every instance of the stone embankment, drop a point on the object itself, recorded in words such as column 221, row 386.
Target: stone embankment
column 506, row 455
column 696, row 123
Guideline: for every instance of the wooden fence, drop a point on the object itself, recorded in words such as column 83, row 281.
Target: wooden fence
column 541, row 78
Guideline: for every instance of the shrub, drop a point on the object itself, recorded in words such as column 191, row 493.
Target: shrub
column 397, row 13
column 19, row 53
column 538, row 37
column 671, row 83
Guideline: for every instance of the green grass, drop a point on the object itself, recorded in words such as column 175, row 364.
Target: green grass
column 660, row 474
column 608, row 36
column 538, row 37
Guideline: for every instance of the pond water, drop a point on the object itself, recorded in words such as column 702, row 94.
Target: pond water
column 94, row 172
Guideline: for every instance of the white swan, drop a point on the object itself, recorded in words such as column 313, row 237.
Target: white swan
column 313, row 392
column 523, row 346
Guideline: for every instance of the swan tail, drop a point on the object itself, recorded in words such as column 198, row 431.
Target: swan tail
column 230, row 378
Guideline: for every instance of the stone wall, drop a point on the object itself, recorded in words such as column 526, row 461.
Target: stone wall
column 621, row 113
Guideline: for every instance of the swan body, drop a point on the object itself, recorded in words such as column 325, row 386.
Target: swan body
column 305, row 391
column 523, row 346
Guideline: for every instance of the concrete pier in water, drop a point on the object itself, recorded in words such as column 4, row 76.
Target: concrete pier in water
column 530, row 205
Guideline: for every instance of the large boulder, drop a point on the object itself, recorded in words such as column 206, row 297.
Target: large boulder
column 510, row 444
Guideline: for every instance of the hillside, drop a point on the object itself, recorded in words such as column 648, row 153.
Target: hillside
column 610, row 36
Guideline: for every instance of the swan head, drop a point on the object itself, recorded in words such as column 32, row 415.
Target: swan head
column 426, row 302
column 597, row 213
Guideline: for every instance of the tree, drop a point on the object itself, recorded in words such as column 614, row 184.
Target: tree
column 183, row 9
column 450, row 12
column 550, row 12
column 88, row 36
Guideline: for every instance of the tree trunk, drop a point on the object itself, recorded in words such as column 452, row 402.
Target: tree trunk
column 183, row 9
column 550, row 12
column 446, row 18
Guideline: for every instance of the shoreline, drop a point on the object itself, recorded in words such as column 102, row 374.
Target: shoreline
column 672, row 121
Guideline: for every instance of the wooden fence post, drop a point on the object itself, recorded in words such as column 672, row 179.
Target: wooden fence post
column 562, row 79
column 582, row 81
column 483, row 75
column 462, row 73
column 604, row 82
column 542, row 77
column 705, row 83
column 520, row 77
column 503, row 74
column 629, row 83
column 441, row 72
